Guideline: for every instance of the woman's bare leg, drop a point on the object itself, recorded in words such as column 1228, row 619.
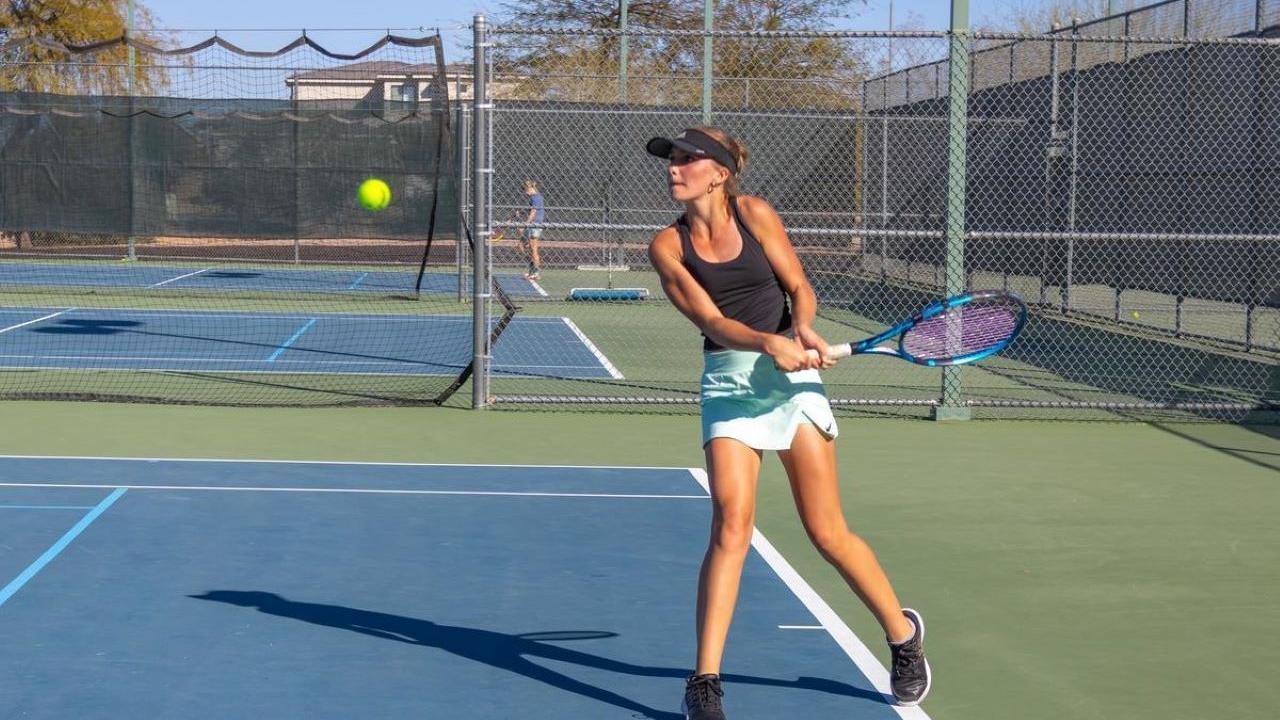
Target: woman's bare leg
column 811, row 469
column 733, row 470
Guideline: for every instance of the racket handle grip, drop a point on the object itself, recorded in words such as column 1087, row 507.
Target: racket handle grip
column 834, row 352
column 839, row 351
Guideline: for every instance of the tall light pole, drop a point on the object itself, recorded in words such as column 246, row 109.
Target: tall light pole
column 622, row 51
column 891, row 36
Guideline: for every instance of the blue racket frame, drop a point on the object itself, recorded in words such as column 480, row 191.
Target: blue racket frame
column 871, row 344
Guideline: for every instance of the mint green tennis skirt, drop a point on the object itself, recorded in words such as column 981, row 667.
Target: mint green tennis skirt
column 747, row 398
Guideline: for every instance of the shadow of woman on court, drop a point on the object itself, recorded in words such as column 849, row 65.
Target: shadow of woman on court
column 506, row 651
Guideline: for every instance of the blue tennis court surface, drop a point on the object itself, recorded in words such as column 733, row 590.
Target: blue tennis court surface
column 216, row 589
column 178, row 277
column 287, row 343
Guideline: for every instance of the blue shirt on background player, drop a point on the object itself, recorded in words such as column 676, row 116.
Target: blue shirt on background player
column 532, row 229
column 538, row 208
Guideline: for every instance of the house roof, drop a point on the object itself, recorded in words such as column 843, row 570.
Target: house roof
column 377, row 68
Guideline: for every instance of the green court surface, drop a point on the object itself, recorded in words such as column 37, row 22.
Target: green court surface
column 1067, row 569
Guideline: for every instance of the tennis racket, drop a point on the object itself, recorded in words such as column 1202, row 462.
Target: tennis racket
column 960, row 329
column 499, row 232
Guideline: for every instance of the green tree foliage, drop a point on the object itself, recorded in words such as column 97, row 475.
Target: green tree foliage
column 35, row 37
column 749, row 71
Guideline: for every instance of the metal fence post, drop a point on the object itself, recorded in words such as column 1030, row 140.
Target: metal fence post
column 464, row 196
column 1073, row 179
column 708, row 23
column 884, row 190
column 481, row 170
column 132, row 68
column 953, row 406
column 623, row 51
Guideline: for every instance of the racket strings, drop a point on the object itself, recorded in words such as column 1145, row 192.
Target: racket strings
column 961, row 331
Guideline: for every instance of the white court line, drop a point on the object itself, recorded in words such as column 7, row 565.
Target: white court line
column 594, row 350
column 267, row 461
column 253, row 371
column 32, row 322
column 545, row 367
column 358, row 491
column 243, row 365
column 175, row 279
column 184, row 312
column 840, row 632
column 268, row 316
column 246, row 361
column 227, row 370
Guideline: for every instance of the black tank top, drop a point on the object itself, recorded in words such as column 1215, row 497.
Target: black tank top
column 744, row 288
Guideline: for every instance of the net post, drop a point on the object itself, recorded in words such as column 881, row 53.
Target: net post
column 952, row 405
column 480, row 213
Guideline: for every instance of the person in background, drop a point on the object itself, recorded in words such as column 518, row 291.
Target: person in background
column 532, row 232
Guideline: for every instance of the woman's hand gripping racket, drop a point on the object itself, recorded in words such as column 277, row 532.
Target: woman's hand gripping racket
column 957, row 330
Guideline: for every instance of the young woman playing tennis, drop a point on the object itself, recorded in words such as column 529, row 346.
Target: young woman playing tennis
column 728, row 265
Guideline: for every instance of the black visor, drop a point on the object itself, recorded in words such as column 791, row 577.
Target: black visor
column 695, row 143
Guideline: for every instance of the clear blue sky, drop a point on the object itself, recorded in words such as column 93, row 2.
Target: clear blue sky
column 452, row 17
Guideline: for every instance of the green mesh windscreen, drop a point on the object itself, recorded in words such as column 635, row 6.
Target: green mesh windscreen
column 227, row 168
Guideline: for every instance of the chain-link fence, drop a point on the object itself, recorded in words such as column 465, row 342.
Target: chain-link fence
column 180, row 223
column 1127, row 188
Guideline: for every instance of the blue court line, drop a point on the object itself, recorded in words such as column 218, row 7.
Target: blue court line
column 280, row 350
column 59, row 546
column 359, row 280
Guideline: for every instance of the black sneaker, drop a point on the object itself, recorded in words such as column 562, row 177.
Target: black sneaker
column 702, row 695
column 909, row 675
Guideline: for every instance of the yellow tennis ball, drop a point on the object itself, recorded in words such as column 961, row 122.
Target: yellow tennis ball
column 374, row 194
column 1136, row 315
